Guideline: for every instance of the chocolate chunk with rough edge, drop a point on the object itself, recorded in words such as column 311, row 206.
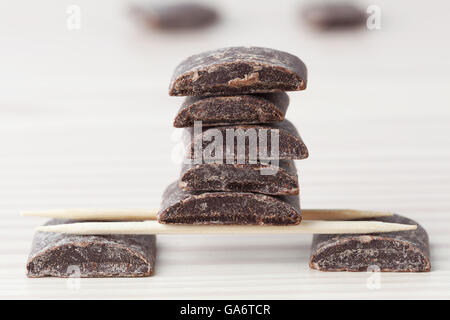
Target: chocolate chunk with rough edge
column 179, row 16
column 291, row 145
column 228, row 110
column 280, row 180
column 194, row 207
column 66, row 255
column 238, row 70
column 405, row 251
column 328, row 16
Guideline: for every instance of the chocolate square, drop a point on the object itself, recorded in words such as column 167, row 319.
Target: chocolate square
column 66, row 255
column 229, row 110
column 290, row 144
column 195, row 207
column 403, row 251
column 238, row 70
column 259, row 178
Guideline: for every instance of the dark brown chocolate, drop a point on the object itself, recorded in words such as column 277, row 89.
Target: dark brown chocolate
column 238, row 70
column 194, row 207
column 275, row 180
column 328, row 16
column 229, row 110
column 60, row 255
column 405, row 251
column 291, row 145
column 179, row 16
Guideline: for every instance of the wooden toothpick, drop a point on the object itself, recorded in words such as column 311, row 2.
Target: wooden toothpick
column 153, row 227
column 150, row 214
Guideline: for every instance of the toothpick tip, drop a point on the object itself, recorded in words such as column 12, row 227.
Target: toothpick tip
column 27, row 213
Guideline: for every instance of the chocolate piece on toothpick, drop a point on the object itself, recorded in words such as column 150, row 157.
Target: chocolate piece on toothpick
column 194, row 207
column 67, row 255
column 238, row 70
column 229, row 110
column 260, row 178
column 405, row 251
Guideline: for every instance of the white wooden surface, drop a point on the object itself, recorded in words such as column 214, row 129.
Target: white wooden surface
column 85, row 121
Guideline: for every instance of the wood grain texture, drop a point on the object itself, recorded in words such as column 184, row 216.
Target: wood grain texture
column 85, row 121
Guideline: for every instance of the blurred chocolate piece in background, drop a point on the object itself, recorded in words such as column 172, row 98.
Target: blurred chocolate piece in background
column 174, row 16
column 334, row 15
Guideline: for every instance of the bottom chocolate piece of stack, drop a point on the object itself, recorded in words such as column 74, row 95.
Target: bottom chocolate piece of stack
column 405, row 251
column 66, row 255
column 197, row 207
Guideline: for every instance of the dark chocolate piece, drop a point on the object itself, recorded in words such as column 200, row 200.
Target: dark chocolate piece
column 194, row 207
column 60, row 255
column 179, row 16
column 291, row 145
column 405, row 251
column 280, row 180
column 327, row 16
column 238, row 70
column 229, row 110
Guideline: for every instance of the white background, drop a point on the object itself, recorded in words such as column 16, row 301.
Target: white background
column 86, row 121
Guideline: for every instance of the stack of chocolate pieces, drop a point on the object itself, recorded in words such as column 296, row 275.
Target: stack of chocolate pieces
column 240, row 148
column 237, row 94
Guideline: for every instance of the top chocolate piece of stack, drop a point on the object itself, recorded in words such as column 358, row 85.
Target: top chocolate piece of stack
column 238, row 70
